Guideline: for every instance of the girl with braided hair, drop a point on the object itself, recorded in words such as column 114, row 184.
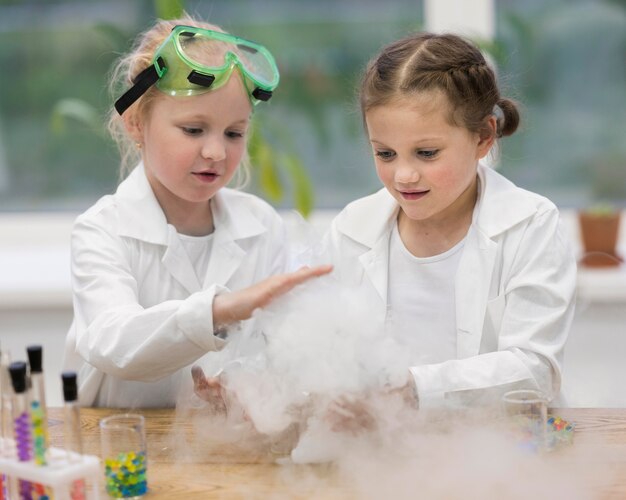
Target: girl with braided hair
column 473, row 274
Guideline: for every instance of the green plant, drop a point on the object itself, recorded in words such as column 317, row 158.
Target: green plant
column 601, row 209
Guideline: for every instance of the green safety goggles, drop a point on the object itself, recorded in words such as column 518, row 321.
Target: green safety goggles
column 187, row 64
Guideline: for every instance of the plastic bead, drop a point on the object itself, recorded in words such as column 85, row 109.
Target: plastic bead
column 126, row 475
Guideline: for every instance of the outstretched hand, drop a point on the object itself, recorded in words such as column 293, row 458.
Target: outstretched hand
column 237, row 306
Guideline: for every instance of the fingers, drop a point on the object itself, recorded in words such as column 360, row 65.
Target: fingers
column 200, row 382
column 237, row 306
column 197, row 374
column 213, row 383
column 317, row 270
column 347, row 415
column 286, row 282
column 342, row 409
column 208, row 389
column 354, row 425
column 306, row 273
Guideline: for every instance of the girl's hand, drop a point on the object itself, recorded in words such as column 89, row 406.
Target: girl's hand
column 361, row 413
column 221, row 401
column 210, row 390
column 352, row 415
column 237, row 306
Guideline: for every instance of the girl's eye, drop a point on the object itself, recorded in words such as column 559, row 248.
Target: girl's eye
column 385, row 155
column 191, row 130
column 427, row 154
column 233, row 134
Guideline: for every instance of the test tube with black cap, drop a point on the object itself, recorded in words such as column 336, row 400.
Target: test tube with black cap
column 21, row 420
column 72, row 435
column 71, row 413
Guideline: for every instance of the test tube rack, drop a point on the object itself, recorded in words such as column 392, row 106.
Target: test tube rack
column 59, row 474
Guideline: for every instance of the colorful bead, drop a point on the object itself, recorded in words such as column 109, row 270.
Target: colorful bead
column 126, row 475
column 560, row 432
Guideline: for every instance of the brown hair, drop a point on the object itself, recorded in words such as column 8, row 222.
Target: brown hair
column 445, row 63
column 122, row 76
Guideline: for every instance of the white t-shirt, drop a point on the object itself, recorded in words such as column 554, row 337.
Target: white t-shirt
column 198, row 250
column 421, row 301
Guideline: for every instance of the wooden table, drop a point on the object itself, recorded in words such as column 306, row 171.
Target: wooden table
column 174, row 473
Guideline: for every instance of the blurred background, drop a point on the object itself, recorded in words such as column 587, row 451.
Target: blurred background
column 563, row 60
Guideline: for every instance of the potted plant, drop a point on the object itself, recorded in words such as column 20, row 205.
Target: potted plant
column 599, row 231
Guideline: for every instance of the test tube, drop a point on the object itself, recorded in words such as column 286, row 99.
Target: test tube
column 21, row 422
column 72, row 436
column 38, row 411
column 38, row 415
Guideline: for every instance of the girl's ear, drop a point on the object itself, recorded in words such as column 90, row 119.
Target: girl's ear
column 487, row 136
column 133, row 125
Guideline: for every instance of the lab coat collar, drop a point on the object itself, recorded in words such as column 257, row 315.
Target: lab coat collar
column 232, row 222
column 501, row 204
column 140, row 215
column 142, row 218
column 369, row 219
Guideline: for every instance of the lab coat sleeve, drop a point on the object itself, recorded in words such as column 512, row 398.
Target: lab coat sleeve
column 538, row 292
column 113, row 332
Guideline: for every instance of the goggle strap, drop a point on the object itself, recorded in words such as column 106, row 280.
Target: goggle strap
column 202, row 79
column 143, row 82
column 261, row 95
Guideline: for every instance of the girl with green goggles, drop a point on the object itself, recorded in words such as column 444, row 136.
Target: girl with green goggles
column 194, row 60
column 173, row 261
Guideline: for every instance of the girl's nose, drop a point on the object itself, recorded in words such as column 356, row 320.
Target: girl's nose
column 407, row 174
column 213, row 149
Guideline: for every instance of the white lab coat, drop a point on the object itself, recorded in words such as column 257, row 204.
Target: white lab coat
column 514, row 289
column 141, row 316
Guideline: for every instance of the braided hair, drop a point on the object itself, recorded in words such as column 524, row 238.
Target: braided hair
column 446, row 63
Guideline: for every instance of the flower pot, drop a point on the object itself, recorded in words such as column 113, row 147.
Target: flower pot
column 599, row 233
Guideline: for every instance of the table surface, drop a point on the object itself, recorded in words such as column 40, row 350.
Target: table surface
column 230, row 473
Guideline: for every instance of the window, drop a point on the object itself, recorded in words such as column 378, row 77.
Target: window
column 566, row 62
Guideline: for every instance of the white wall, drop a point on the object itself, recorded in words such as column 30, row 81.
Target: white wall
column 594, row 370
column 475, row 18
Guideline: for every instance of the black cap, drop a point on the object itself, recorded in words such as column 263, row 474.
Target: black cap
column 35, row 355
column 17, row 369
column 70, row 387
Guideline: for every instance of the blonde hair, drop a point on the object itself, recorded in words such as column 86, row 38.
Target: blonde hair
column 445, row 63
column 122, row 77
